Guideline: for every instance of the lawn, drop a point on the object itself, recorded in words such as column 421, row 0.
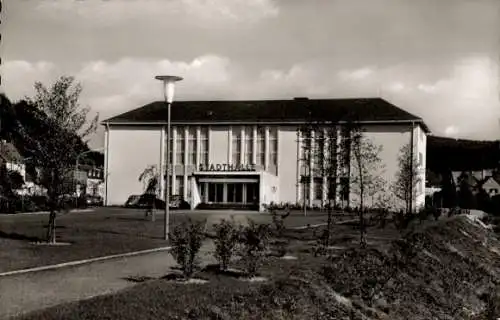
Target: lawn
column 440, row 273
column 104, row 232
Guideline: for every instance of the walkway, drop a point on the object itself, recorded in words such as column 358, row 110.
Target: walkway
column 38, row 290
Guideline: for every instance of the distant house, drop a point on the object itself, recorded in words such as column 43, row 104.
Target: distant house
column 491, row 185
column 90, row 180
column 14, row 161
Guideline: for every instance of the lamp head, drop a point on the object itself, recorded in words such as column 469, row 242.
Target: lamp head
column 169, row 83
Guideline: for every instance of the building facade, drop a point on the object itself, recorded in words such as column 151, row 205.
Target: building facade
column 246, row 154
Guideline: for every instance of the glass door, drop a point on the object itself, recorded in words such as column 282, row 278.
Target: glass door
column 252, row 193
column 215, row 192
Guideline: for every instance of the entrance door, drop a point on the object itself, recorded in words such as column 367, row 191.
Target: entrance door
column 216, row 192
column 252, row 193
column 234, row 192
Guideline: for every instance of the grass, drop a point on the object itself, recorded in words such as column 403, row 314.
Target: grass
column 105, row 232
column 434, row 282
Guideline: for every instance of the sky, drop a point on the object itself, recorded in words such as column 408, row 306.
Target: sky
column 437, row 59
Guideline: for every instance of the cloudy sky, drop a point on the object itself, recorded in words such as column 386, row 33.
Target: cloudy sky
column 435, row 58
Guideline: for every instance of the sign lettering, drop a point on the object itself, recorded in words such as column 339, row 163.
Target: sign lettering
column 227, row 167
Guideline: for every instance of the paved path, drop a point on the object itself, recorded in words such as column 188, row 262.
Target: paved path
column 37, row 290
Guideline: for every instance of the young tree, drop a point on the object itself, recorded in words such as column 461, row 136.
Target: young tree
column 407, row 177
column 365, row 172
column 54, row 136
column 320, row 148
column 150, row 179
column 465, row 195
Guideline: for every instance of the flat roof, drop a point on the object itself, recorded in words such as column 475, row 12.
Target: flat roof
column 298, row 110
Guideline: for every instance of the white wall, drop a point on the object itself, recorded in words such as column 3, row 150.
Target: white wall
column 218, row 139
column 130, row 151
column 287, row 164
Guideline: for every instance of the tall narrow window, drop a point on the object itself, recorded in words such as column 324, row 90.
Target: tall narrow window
column 204, row 145
column 248, row 145
column 171, row 146
column 192, row 145
column 273, row 146
column 318, row 188
column 180, row 142
column 319, row 152
column 179, row 185
column 236, row 145
column 261, row 147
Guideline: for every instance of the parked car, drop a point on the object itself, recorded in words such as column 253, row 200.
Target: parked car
column 145, row 200
column 178, row 202
column 94, row 200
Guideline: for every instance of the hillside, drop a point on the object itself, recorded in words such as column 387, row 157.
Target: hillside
column 460, row 154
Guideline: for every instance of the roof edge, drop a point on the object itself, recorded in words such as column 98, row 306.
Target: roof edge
column 162, row 123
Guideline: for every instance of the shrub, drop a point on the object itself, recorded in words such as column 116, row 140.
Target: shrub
column 279, row 221
column 226, row 239
column 254, row 239
column 187, row 239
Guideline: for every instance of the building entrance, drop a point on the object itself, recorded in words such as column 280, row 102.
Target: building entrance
column 237, row 193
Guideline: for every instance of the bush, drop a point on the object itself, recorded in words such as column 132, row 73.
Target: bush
column 187, row 239
column 226, row 239
column 279, row 221
column 254, row 239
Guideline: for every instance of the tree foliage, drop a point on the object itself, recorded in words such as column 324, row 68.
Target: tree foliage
column 150, row 178
column 366, row 170
column 407, row 176
column 366, row 167
column 53, row 133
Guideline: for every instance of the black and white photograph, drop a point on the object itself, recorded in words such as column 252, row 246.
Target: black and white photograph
column 250, row 159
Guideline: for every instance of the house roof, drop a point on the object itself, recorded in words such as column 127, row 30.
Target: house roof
column 300, row 110
column 9, row 153
column 494, row 178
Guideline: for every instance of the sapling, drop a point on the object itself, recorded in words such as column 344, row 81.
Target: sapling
column 187, row 239
column 226, row 239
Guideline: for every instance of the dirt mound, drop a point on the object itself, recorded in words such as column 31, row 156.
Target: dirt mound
column 442, row 270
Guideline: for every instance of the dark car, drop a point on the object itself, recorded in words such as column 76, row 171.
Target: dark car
column 94, row 200
column 145, row 201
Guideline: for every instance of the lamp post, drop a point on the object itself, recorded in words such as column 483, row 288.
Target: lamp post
column 168, row 93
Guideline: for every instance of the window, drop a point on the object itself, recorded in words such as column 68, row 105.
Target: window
column 179, row 154
column 273, row 146
column 171, row 146
column 248, row 131
column 204, row 145
column 261, row 147
column 192, row 145
column 318, row 188
column 236, row 145
column 188, row 187
column 420, row 159
column 179, row 185
column 318, row 151
column 170, row 186
column 344, row 188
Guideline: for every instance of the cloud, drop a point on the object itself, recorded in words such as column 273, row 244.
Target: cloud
column 113, row 87
column 451, row 131
column 99, row 12
column 19, row 76
column 357, row 74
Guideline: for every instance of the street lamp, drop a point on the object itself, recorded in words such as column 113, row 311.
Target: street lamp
column 168, row 93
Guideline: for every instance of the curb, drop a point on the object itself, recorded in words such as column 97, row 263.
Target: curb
column 46, row 212
column 81, row 262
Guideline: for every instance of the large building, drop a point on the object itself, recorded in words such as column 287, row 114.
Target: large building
column 250, row 153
